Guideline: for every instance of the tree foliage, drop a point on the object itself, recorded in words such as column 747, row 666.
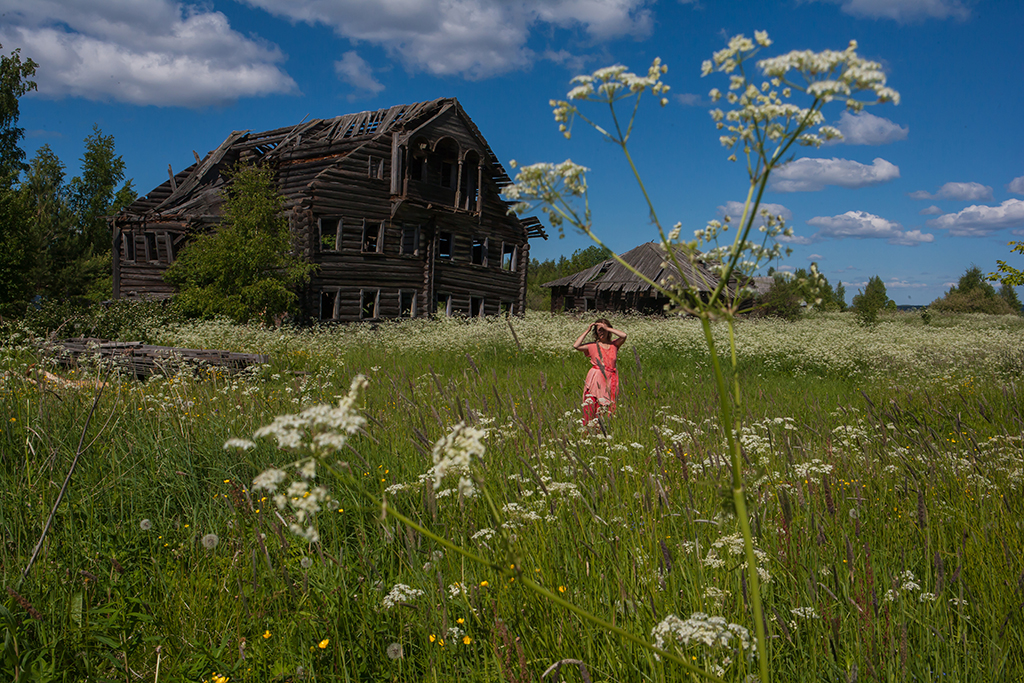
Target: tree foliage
column 245, row 268
column 873, row 299
column 539, row 298
column 973, row 294
column 16, row 254
column 1006, row 273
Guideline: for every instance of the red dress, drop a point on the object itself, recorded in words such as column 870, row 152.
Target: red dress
column 602, row 384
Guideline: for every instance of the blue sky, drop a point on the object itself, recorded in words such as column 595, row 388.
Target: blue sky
column 915, row 194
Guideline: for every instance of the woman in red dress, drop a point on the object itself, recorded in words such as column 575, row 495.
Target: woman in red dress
column 602, row 384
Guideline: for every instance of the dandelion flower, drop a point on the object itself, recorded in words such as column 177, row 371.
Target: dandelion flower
column 210, row 541
column 145, row 525
column 395, row 651
column 306, row 562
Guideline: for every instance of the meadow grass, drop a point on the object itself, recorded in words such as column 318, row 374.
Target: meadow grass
column 884, row 468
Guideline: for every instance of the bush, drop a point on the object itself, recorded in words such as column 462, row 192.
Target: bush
column 123, row 320
column 873, row 299
column 783, row 300
column 972, row 294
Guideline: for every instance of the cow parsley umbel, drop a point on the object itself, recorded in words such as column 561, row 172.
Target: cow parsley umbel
column 315, row 433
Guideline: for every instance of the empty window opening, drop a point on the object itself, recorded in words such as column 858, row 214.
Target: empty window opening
column 444, row 245
column 479, row 253
column 443, row 304
column 329, row 229
column 445, row 163
column 373, row 236
column 375, row 168
column 128, row 238
column 406, row 303
column 369, row 302
column 419, row 149
column 507, row 308
column 508, row 257
column 410, row 240
column 569, row 303
column 469, row 185
column 476, row 306
column 329, row 303
column 151, row 254
column 588, row 305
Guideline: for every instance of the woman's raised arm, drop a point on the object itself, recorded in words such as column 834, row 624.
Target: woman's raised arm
column 578, row 344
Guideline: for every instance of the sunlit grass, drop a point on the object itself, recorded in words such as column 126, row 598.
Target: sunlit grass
column 884, row 465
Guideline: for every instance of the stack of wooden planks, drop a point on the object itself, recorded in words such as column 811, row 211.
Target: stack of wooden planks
column 143, row 360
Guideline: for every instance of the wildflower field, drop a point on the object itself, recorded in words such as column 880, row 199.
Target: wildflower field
column 884, row 469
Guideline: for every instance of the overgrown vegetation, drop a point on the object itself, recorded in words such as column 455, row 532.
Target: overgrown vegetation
column 245, row 268
column 973, row 294
column 888, row 519
column 869, row 303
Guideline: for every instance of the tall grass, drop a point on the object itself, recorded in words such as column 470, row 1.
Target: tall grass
column 885, row 471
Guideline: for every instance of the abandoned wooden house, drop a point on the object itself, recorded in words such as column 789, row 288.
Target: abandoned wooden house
column 400, row 208
column 610, row 286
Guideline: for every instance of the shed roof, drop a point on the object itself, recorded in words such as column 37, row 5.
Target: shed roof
column 650, row 260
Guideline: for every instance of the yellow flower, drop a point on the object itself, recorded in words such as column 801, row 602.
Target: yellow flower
column 323, row 644
column 483, row 584
column 561, row 589
column 266, row 634
column 466, row 640
column 432, row 637
column 460, row 620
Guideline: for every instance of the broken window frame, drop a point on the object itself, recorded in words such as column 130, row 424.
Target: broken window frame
column 329, row 221
column 152, row 253
column 478, row 252
column 410, row 233
column 443, row 237
column 378, row 241
column 402, row 293
column 446, row 299
column 335, row 294
column 375, row 167
column 128, row 240
column 375, row 311
column 509, row 257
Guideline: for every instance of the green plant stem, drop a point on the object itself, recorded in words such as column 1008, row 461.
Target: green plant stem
column 739, row 500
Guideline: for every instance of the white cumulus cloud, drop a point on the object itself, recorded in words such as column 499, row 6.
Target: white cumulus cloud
column 865, row 128
column 1016, row 185
column 354, row 70
column 964, row 192
column 930, row 211
column 979, row 220
column 734, row 210
column 864, row 225
column 147, row 52
column 811, row 175
column 904, row 11
column 471, row 38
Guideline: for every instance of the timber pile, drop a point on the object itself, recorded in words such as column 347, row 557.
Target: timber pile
column 143, row 360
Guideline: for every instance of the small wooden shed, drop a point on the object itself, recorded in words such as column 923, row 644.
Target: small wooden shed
column 400, row 208
column 610, row 286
